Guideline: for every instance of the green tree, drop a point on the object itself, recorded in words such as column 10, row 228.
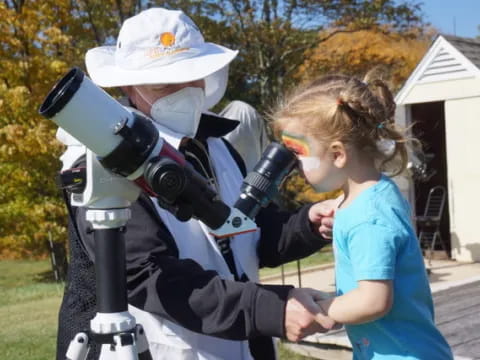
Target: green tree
column 273, row 36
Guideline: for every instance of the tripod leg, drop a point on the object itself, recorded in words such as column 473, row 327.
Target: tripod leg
column 142, row 344
column 127, row 346
column 78, row 348
column 124, row 348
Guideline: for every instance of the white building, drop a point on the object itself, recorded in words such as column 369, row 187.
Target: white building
column 441, row 99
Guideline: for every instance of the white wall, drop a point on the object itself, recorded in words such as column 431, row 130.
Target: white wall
column 443, row 90
column 462, row 126
column 404, row 181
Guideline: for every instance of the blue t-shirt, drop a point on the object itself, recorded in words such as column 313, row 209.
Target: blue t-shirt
column 374, row 240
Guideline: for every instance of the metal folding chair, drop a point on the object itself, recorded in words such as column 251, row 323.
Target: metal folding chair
column 428, row 224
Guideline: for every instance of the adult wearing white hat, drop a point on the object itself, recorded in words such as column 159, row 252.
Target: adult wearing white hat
column 195, row 297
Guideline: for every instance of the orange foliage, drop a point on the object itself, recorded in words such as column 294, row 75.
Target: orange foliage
column 296, row 192
column 356, row 53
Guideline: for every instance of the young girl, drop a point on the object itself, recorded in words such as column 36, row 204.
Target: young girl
column 343, row 132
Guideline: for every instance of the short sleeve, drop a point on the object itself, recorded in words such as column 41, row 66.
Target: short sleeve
column 372, row 250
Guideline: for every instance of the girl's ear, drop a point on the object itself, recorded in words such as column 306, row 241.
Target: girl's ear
column 339, row 154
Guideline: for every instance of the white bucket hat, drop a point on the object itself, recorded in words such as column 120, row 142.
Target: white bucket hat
column 160, row 46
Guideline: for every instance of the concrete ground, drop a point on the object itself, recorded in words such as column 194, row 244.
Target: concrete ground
column 445, row 275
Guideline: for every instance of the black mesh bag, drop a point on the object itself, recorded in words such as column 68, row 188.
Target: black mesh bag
column 79, row 302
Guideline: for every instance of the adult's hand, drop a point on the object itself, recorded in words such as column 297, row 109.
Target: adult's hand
column 303, row 316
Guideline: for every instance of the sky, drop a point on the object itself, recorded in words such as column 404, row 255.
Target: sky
column 453, row 17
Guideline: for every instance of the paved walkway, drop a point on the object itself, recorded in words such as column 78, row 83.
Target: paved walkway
column 453, row 285
column 445, row 274
column 457, row 312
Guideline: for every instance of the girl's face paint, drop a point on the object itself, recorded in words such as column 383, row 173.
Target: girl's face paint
column 316, row 174
column 309, row 163
column 315, row 162
column 296, row 143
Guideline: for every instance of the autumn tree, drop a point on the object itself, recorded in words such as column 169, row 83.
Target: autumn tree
column 29, row 203
column 39, row 41
column 390, row 54
column 273, row 36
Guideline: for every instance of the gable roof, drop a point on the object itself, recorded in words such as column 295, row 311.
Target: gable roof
column 448, row 58
column 470, row 48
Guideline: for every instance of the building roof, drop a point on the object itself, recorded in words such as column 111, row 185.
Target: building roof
column 448, row 58
column 470, row 48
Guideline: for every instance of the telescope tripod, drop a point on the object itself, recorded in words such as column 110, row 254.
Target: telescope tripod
column 113, row 326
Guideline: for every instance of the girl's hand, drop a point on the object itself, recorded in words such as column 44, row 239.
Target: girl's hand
column 321, row 217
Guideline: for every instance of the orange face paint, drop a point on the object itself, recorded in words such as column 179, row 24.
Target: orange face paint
column 297, row 144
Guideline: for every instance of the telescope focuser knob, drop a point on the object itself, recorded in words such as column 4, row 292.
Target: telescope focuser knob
column 122, row 129
column 166, row 177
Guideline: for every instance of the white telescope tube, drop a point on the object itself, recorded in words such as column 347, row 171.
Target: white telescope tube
column 86, row 112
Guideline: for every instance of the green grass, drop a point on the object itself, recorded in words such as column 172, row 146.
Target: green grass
column 29, row 303
column 324, row 256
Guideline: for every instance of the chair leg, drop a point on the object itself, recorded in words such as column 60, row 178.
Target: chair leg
column 421, row 240
column 432, row 248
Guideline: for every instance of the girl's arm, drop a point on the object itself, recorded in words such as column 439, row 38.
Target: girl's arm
column 371, row 300
column 370, row 248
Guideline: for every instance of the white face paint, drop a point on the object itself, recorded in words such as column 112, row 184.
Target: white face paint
column 319, row 170
column 310, row 164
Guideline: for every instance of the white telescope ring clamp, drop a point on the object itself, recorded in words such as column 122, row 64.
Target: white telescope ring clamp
column 108, row 218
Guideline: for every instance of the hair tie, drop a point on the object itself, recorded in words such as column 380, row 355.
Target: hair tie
column 380, row 126
column 340, row 102
column 386, row 146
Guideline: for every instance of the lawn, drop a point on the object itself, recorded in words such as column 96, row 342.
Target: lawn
column 29, row 304
column 322, row 257
column 28, row 310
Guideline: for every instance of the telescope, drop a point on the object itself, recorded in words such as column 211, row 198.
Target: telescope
column 129, row 145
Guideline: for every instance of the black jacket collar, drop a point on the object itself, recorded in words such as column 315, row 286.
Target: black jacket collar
column 215, row 126
column 210, row 124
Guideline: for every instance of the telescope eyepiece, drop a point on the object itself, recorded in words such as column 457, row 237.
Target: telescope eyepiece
column 261, row 185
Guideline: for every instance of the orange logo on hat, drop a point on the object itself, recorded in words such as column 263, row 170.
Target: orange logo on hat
column 167, row 39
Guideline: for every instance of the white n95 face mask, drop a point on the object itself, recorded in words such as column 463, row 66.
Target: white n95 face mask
column 180, row 111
